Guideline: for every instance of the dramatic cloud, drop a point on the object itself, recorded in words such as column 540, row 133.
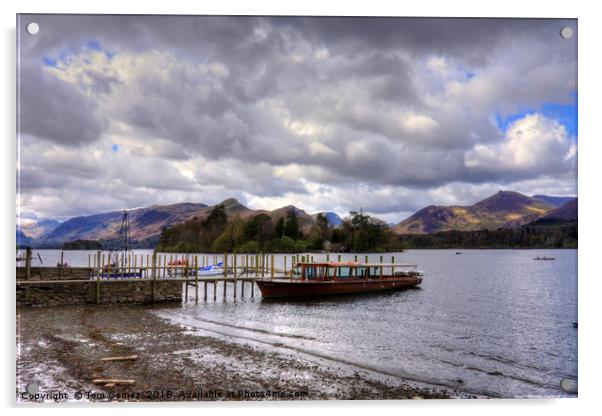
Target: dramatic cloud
column 386, row 114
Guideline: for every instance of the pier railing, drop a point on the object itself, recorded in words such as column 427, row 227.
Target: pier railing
column 238, row 270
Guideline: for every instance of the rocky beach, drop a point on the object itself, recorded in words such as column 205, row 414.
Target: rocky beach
column 61, row 349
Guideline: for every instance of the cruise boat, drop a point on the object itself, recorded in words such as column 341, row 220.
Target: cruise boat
column 322, row 279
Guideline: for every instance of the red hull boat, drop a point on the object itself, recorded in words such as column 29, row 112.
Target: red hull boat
column 324, row 279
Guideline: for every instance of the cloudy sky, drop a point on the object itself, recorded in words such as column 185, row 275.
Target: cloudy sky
column 386, row 114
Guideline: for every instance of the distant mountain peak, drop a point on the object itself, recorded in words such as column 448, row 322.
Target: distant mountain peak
column 502, row 209
column 230, row 201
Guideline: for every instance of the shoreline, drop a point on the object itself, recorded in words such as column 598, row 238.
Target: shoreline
column 174, row 364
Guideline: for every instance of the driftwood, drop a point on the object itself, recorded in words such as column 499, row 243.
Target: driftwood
column 109, row 385
column 124, row 358
column 106, row 381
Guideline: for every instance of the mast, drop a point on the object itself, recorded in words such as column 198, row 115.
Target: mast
column 124, row 233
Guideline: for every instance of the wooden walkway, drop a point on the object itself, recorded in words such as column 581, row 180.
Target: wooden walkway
column 245, row 269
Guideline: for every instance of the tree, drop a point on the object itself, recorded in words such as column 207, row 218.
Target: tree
column 223, row 243
column 260, row 229
column 323, row 227
column 280, row 227
column 291, row 225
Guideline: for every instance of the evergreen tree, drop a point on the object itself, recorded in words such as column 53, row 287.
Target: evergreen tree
column 291, row 225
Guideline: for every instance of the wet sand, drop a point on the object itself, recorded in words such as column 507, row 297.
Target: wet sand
column 61, row 349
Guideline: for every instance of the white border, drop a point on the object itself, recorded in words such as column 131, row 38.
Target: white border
column 590, row 141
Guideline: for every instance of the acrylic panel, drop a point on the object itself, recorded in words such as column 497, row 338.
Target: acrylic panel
column 295, row 208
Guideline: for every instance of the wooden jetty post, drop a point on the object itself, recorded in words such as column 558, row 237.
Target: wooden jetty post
column 122, row 264
column 393, row 265
column 28, row 263
column 339, row 258
column 154, row 274
column 234, row 268
column 185, row 288
column 214, row 290
column 60, row 269
column 101, row 267
column 196, row 279
column 272, row 271
column 97, row 262
column 225, row 274
column 284, row 266
column 205, row 291
column 108, row 264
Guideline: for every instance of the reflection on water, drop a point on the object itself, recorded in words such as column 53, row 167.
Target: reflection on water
column 494, row 322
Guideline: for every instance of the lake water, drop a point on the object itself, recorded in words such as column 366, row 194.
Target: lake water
column 492, row 322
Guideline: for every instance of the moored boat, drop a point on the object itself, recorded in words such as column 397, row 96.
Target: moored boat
column 211, row 270
column 323, row 279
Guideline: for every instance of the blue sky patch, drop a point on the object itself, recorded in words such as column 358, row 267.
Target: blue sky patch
column 114, row 148
column 94, row 44
column 48, row 61
column 565, row 114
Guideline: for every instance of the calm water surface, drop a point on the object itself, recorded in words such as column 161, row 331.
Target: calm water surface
column 491, row 322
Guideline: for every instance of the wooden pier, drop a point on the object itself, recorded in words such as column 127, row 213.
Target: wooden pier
column 107, row 270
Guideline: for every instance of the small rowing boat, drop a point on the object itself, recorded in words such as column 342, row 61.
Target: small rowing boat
column 544, row 258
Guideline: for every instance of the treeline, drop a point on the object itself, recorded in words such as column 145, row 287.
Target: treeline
column 82, row 245
column 219, row 234
column 557, row 235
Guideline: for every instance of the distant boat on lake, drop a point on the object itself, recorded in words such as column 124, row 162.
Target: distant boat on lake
column 322, row 279
column 544, row 258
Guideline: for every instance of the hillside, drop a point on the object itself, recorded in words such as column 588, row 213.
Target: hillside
column 555, row 201
column 38, row 228
column 23, row 240
column 234, row 208
column 504, row 209
column 567, row 213
column 145, row 223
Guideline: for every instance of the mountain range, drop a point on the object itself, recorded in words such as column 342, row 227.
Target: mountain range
column 505, row 209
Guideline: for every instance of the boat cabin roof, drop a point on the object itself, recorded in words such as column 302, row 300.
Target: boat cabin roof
column 352, row 264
